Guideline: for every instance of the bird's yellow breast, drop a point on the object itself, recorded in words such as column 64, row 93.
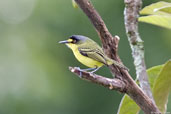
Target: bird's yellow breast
column 84, row 59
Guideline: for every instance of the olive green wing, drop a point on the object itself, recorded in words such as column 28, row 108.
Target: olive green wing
column 95, row 54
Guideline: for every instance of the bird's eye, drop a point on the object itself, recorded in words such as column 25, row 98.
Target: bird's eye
column 74, row 41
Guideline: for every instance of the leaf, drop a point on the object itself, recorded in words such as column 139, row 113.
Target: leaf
column 158, row 81
column 74, row 4
column 153, row 73
column 162, row 87
column 159, row 20
column 155, row 8
column 159, row 14
column 128, row 106
column 166, row 9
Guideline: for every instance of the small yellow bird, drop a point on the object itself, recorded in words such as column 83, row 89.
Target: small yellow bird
column 89, row 53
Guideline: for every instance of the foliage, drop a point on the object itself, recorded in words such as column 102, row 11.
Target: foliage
column 74, row 4
column 158, row 14
column 160, row 82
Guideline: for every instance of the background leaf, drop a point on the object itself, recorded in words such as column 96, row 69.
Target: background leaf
column 160, row 80
column 74, row 4
column 166, row 9
column 159, row 20
column 162, row 87
column 153, row 73
column 159, row 14
column 128, row 106
column 155, row 8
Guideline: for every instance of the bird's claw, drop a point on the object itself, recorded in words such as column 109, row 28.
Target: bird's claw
column 80, row 70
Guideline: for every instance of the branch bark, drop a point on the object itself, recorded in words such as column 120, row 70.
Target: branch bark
column 131, row 14
column 110, row 45
column 112, row 84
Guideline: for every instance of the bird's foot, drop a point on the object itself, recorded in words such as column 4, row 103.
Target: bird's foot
column 81, row 70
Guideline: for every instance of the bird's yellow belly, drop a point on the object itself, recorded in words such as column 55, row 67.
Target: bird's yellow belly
column 86, row 60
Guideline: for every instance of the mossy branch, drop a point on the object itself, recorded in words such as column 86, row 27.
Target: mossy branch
column 131, row 14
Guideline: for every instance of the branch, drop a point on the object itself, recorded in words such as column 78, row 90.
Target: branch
column 110, row 48
column 112, row 84
column 109, row 43
column 131, row 15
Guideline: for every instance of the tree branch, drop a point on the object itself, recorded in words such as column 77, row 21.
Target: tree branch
column 110, row 48
column 113, row 84
column 131, row 14
column 109, row 43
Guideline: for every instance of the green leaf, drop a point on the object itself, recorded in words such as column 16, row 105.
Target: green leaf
column 160, row 82
column 162, row 87
column 155, row 8
column 159, row 14
column 153, row 73
column 128, row 106
column 166, row 9
column 74, row 4
column 159, row 20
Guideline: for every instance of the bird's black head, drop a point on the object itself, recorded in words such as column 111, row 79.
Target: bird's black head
column 75, row 39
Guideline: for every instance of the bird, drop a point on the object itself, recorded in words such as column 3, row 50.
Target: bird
column 89, row 53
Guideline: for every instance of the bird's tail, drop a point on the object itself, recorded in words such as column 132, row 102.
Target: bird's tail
column 117, row 64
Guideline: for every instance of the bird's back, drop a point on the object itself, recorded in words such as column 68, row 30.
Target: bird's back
column 94, row 51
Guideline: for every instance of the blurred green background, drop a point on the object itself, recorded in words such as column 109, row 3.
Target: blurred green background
column 34, row 75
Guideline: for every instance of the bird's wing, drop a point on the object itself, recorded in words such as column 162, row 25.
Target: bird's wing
column 95, row 54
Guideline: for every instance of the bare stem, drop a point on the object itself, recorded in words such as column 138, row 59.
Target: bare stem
column 131, row 15
column 113, row 84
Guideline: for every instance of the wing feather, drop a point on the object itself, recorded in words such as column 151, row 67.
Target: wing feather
column 95, row 54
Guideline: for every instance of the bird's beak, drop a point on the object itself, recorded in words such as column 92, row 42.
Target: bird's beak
column 63, row 42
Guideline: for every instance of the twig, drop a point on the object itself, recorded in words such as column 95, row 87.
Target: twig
column 110, row 47
column 112, row 84
column 131, row 14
